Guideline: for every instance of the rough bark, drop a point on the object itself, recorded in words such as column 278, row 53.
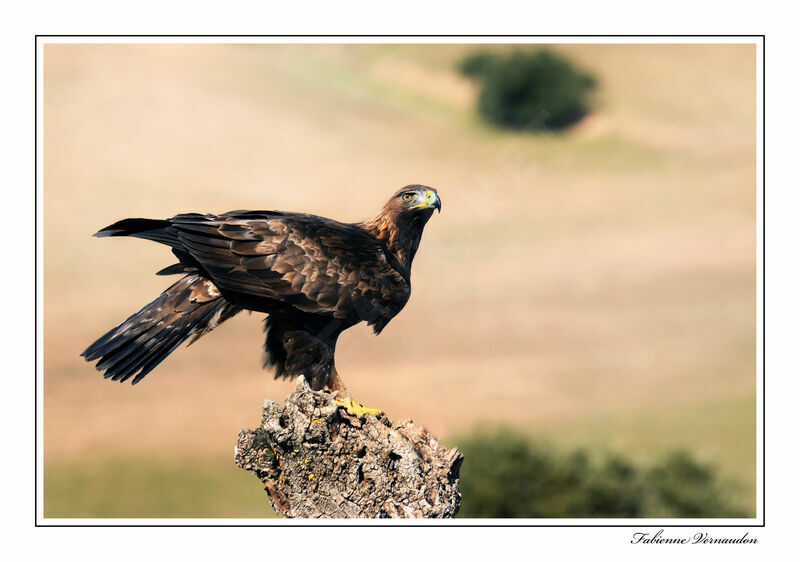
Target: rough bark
column 317, row 460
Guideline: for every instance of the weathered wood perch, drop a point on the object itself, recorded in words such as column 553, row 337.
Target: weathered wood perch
column 316, row 460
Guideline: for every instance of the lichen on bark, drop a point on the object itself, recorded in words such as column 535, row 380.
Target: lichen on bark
column 317, row 460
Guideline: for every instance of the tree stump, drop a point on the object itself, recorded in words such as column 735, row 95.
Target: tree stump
column 317, row 460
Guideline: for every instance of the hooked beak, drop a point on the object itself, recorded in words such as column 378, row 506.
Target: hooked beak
column 432, row 201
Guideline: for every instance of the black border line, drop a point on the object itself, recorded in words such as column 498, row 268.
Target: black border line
column 36, row 285
column 763, row 280
column 369, row 35
column 435, row 526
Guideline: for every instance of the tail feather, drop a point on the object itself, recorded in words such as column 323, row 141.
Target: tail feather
column 127, row 227
column 156, row 230
column 139, row 344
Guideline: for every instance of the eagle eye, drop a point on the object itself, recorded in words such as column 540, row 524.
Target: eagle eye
column 409, row 196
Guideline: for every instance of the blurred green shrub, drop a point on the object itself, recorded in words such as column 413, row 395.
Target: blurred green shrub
column 680, row 485
column 507, row 475
column 529, row 91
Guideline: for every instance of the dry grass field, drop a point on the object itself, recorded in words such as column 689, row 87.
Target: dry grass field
column 593, row 288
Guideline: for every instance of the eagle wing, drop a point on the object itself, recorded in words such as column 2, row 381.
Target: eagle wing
column 312, row 264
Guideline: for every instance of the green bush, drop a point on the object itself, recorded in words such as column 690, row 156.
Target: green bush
column 682, row 485
column 507, row 475
column 477, row 65
column 529, row 91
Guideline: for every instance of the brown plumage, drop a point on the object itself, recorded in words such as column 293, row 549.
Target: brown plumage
column 314, row 277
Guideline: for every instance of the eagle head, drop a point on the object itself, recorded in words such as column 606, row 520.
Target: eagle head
column 414, row 201
column 399, row 224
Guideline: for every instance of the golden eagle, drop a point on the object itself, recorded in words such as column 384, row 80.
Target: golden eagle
column 314, row 277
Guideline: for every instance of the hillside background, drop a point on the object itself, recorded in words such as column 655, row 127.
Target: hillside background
column 594, row 289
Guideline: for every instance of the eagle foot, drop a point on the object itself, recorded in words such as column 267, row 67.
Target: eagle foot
column 355, row 409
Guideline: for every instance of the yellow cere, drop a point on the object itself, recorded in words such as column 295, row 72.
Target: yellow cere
column 426, row 203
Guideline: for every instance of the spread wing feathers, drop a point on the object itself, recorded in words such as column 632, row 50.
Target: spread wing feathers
column 313, row 264
column 190, row 307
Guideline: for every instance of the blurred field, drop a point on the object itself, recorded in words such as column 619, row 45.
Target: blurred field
column 595, row 288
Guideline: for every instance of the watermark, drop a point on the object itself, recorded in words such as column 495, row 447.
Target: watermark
column 699, row 537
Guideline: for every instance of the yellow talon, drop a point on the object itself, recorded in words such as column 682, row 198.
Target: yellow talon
column 355, row 409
